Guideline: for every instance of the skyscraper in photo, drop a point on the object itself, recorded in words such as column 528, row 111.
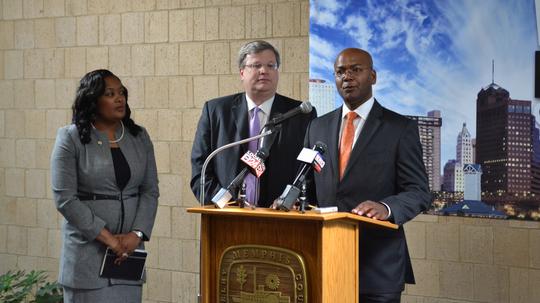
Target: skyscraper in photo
column 464, row 155
column 471, row 178
column 473, row 143
column 535, row 163
column 464, row 150
column 322, row 95
column 449, row 175
column 429, row 128
column 504, row 142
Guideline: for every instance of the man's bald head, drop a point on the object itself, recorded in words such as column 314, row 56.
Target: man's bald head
column 356, row 52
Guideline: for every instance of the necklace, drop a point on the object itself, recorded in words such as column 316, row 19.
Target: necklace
column 117, row 140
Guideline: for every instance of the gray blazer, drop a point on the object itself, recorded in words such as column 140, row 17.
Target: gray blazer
column 88, row 168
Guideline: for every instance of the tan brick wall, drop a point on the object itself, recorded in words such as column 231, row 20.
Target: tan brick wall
column 458, row 260
column 173, row 55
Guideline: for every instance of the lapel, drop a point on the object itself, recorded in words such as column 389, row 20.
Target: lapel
column 99, row 150
column 333, row 144
column 278, row 107
column 370, row 128
column 239, row 129
column 240, row 117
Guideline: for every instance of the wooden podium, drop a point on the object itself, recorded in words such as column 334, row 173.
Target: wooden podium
column 328, row 244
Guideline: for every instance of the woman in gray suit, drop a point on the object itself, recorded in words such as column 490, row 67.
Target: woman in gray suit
column 104, row 182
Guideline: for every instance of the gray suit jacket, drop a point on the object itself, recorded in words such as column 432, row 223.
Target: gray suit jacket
column 78, row 168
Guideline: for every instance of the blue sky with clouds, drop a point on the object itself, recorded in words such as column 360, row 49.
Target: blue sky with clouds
column 432, row 54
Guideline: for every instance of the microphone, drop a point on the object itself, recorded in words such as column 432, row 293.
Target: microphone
column 254, row 164
column 265, row 143
column 217, row 151
column 303, row 108
column 312, row 159
column 264, row 151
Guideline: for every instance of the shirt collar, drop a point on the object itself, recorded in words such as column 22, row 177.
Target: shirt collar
column 362, row 110
column 265, row 107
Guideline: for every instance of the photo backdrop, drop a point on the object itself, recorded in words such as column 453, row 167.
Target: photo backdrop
column 465, row 71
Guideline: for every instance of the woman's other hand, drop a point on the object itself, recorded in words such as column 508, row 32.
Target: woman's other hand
column 130, row 241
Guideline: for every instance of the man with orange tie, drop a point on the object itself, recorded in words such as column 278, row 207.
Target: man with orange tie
column 374, row 168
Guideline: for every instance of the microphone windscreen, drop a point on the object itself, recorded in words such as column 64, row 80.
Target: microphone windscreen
column 306, row 107
column 320, row 147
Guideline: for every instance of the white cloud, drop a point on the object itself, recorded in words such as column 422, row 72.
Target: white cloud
column 319, row 63
column 392, row 28
column 359, row 29
column 496, row 31
column 331, row 5
column 321, row 47
column 325, row 12
column 325, row 18
column 415, row 11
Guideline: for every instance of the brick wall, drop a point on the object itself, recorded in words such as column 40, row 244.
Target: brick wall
column 459, row 260
column 173, row 55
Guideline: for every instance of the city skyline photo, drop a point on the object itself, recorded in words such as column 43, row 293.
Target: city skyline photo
column 447, row 64
column 431, row 55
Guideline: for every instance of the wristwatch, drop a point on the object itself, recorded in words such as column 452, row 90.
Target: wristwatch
column 139, row 234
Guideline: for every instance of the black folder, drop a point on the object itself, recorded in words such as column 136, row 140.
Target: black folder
column 131, row 268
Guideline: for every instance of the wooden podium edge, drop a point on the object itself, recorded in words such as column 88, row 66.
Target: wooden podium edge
column 272, row 213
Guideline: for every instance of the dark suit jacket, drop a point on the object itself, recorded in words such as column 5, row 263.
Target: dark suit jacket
column 225, row 120
column 385, row 165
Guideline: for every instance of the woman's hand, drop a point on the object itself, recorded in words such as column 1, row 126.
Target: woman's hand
column 112, row 241
column 129, row 241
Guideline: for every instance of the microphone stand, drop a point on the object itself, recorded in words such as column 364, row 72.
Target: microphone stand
column 218, row 150
column 202, row 189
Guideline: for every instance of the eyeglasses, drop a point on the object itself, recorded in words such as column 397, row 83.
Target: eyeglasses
column 257, row 66
column 352, row 71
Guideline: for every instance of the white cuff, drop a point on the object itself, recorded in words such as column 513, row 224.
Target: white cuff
column 389, row 210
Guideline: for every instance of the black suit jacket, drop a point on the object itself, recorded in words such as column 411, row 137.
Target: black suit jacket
column 225, row 120
column 385, row 165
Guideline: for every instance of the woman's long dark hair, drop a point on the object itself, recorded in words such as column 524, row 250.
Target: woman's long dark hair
column 85, row 107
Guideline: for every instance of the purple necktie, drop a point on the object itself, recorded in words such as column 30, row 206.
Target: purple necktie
column 250, row 179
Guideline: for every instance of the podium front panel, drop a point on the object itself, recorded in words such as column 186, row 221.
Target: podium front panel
column 328, row 248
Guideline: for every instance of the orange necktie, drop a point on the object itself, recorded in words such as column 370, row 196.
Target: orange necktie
column 347, row 138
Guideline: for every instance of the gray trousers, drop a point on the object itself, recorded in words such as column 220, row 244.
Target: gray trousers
column 112, row 294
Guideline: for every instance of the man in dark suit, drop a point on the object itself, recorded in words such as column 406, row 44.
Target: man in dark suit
column 235, row 117
column 373, row 168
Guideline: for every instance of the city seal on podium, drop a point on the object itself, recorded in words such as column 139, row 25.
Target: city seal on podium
column 261, row 274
